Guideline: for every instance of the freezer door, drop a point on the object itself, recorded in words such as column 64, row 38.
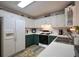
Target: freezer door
column 20, row 35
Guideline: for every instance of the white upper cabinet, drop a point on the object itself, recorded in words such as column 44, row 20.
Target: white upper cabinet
column 72, row 15
column 77, row 13
column 60, row 20
column 29, row 23
column 42, row 21
column 69, row 16
column 55, row 21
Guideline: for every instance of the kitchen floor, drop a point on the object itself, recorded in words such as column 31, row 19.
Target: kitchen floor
column 31, row 51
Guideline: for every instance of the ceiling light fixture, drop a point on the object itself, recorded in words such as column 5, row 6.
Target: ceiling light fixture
column 23, row 4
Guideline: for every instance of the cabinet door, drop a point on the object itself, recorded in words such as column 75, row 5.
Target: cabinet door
column 36, row 39
column 52, row 20
column 30, row 23
column 60, row 20
column 38, row 23
column 43, row 21
column 76, row 40
column 69, row 16
column 51, row 38
column 29, row 40
column 8, row 36
column 74, row 16
column 20, row 35
column 77, row 12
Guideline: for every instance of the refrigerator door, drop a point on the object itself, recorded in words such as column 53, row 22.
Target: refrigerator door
column 20, row 35
column 8, row 44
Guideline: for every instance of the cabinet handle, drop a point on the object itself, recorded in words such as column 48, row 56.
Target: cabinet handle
column 9, row 38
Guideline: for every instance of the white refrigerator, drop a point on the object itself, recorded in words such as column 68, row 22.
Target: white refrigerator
column 12, row 36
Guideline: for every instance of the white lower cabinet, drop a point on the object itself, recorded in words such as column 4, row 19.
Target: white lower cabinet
column 76, row 40
column 60, row 20
column 72, row 15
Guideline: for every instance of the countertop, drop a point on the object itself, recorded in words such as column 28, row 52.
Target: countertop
column 31, row 33
column 56, row 49
column 77, row 50
column 49, row 35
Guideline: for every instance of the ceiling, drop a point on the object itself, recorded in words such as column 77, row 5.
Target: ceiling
column 36, row 8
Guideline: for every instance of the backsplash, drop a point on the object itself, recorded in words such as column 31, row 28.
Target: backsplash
column 53, row 31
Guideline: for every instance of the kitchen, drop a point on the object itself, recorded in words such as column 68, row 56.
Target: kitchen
column 51, row 29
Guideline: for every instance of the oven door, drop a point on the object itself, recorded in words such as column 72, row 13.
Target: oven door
column 43, row 39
